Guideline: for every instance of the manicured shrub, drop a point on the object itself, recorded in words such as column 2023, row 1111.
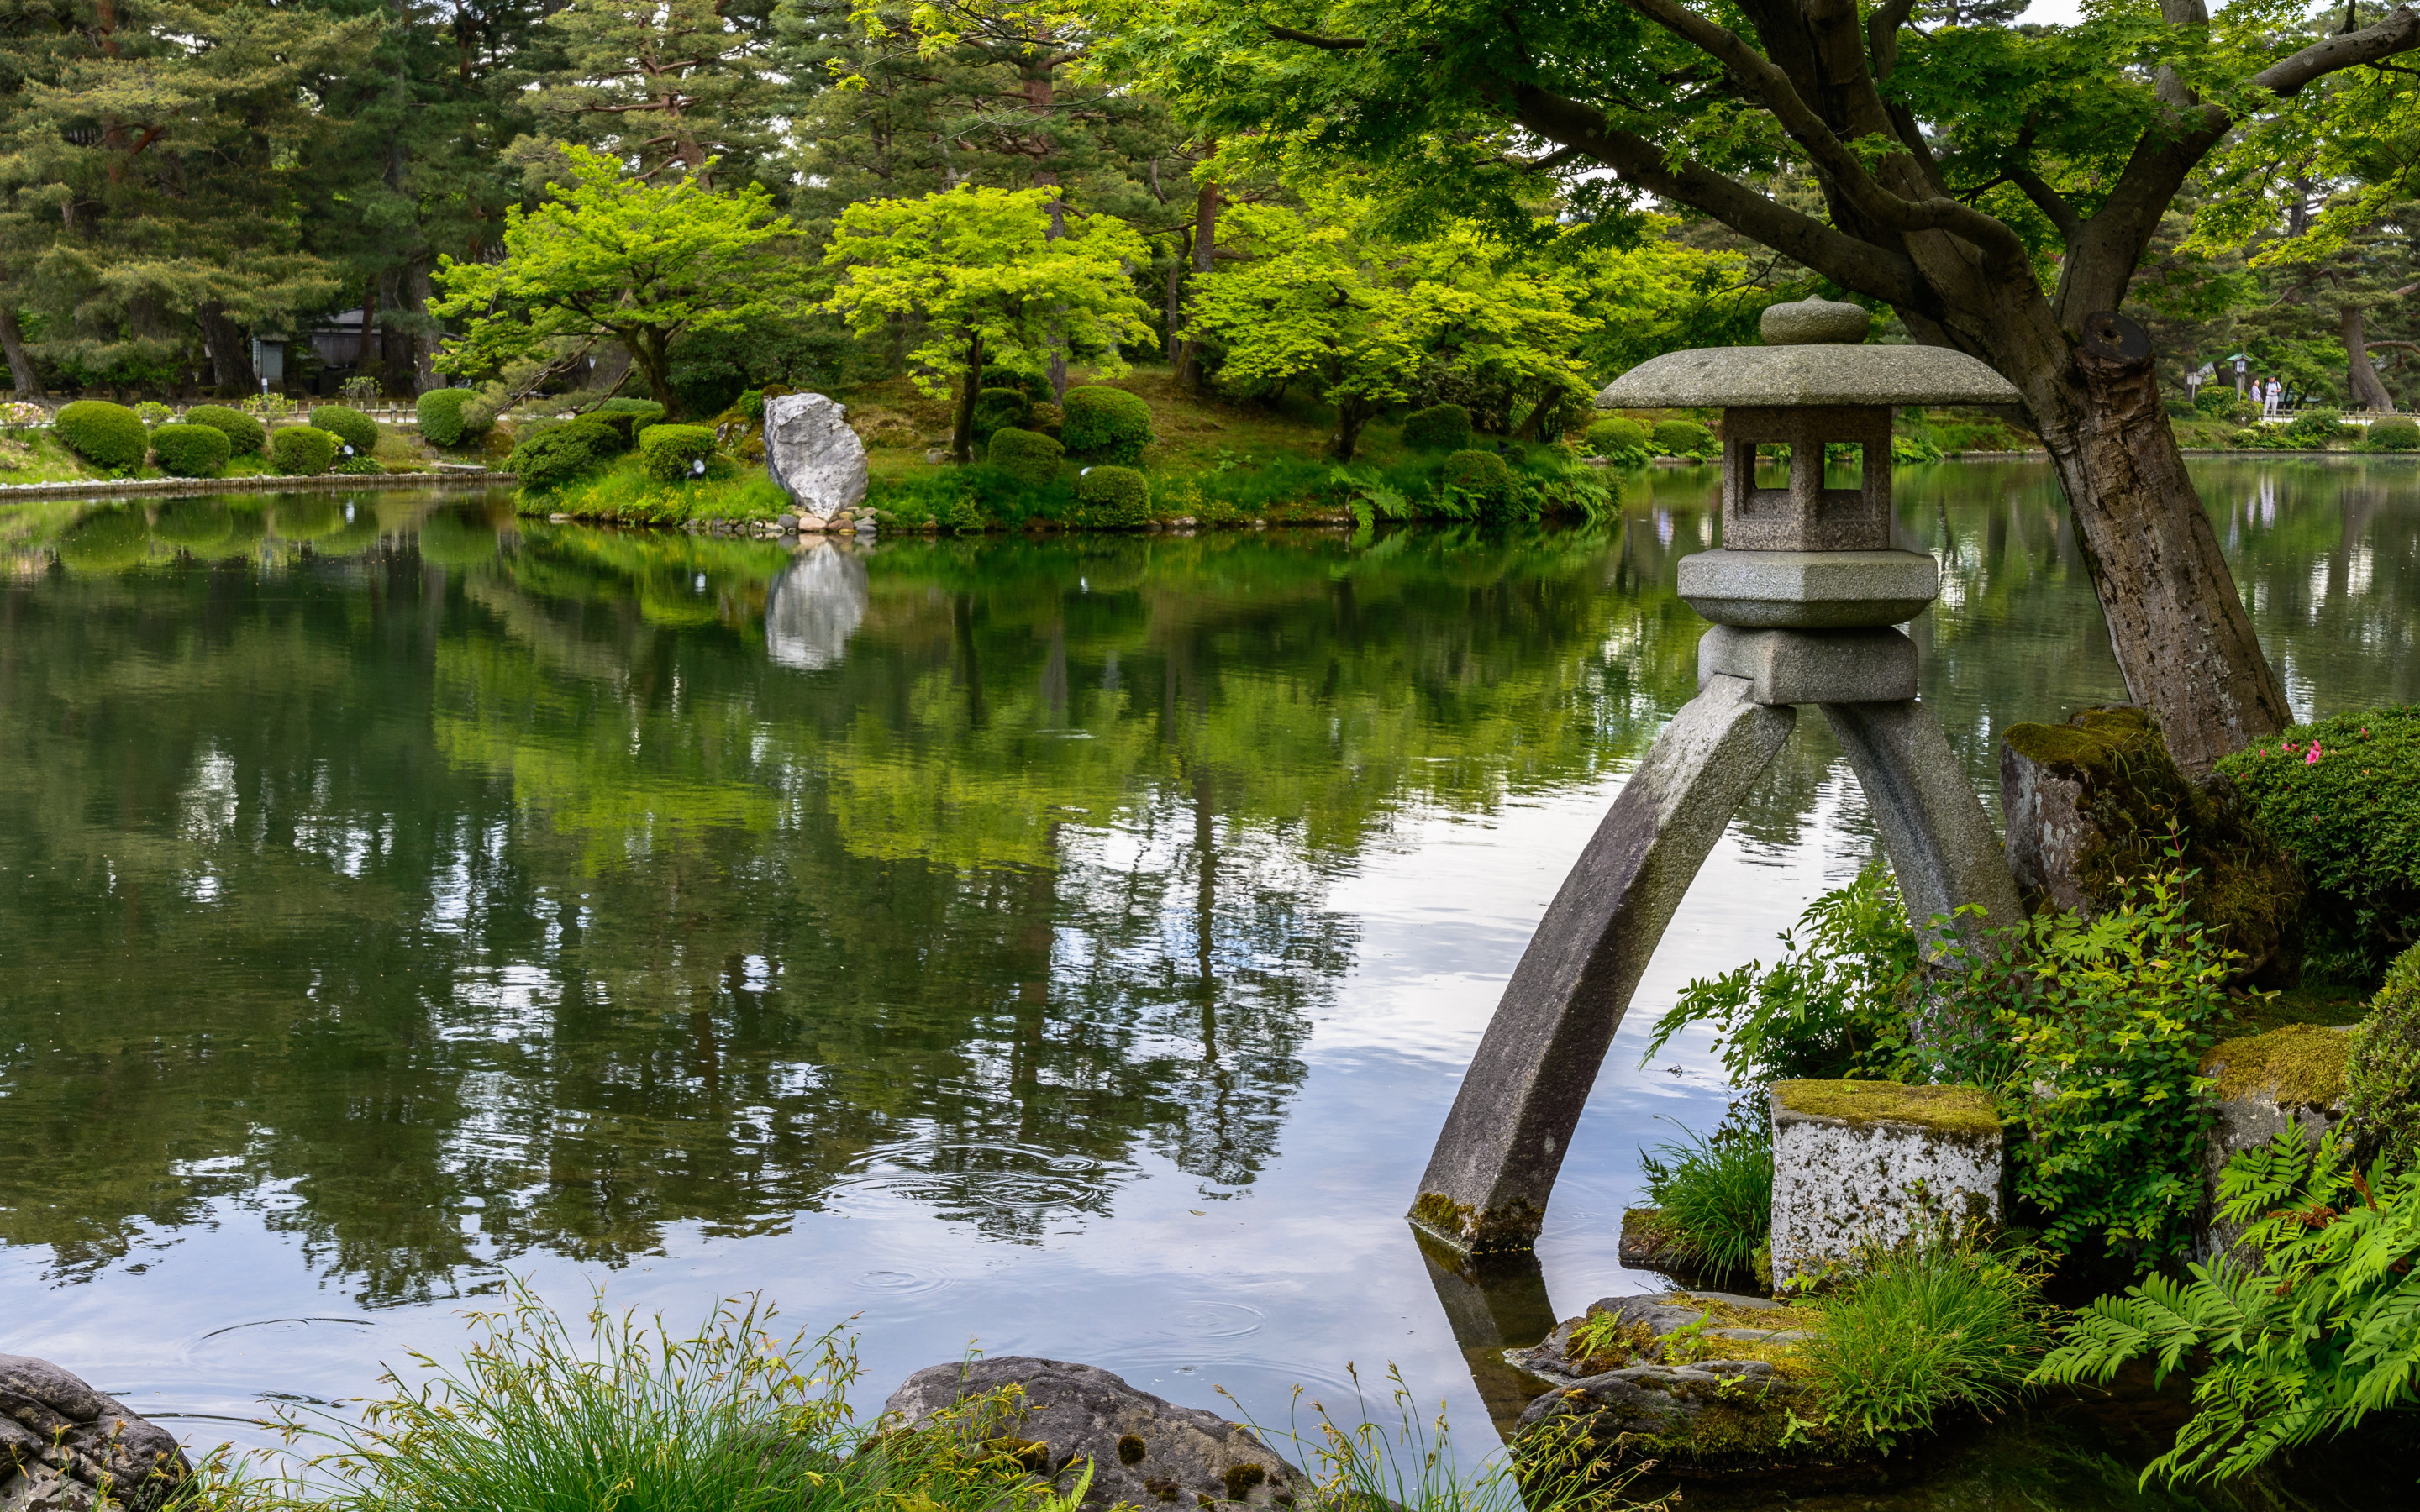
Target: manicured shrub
column 2343, row 797
column 1924, row 1328
column 2316, row 427
column 195, row 524
column 2382, row 1071
column 1484, row 477
column 1618, row 436
column 347, row 424
column 1111, row 498
column 1681, row 437
column 1032, row 385
column 246, row 437
column 1026, row 454
column 627, row 417
column 552, row 458
column 2395, row 433
column 1440, row 427
column 152, row 413
column 674, row 453
column 303, row 451
column 1715, row 1193
column 997, row 409
column 450, row 417
column 191, row 451
column 2221, row 402
column 1105, row 424
column 108, row 436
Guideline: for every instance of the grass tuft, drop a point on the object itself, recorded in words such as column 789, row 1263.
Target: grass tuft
column 1923, row 1328
column 1715, row 1193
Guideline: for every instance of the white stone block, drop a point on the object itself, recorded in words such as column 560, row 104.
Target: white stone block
column 1858, row 1163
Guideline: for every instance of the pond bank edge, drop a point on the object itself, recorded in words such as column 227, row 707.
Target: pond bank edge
column 113, row 487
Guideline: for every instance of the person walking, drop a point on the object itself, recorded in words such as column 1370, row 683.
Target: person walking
column 2275, row 390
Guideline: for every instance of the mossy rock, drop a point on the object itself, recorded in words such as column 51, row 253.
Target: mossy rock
column 2301, row 1065
column 2096, row 804
column 1957, row 1112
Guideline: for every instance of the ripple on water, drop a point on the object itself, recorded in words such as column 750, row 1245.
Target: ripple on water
column 975, row 1178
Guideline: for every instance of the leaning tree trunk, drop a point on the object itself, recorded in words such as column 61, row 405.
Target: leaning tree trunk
column 2361, row 378
column 962, row 428
column 22, row 376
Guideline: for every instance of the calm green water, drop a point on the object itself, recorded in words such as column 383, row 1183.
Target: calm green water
column 1068, row 947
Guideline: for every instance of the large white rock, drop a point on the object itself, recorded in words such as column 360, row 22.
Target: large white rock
column 1858, row 1163
column 811, row 452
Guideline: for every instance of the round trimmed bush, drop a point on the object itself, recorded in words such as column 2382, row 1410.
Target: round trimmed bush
column 1681, row 437
column 997, row 409
column 1111, row 498
column 1440, row 427
column 553, row 456
column 108, row 436
column 106, row 540
column 627, row 416
column 449, row 417
column 1027, row 455
column 191, row 451
column 1485, row 476
column 2395, row 433
column 347, row 424
column 674, row 453
column 1615, row 434
column 195, row 524
column 1105, row 424
column 303, row 451
column 246, row 437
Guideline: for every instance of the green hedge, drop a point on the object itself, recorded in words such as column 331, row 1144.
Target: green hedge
column 627, row 417
column 1440, row 427
column 2352, row 819
column 998, row 409
column 303, row 451
column 552, row 458
column 674, row 453
column 108, row 436
column 1105, row 424
column 246, row 437
column 191, row 451
column 449, row 417
column 1024, row 454
column 1681, row 437
column 347, row 424
column 1111, row 498
column 1618, row 436
column 2395, row 433
column 1485, row 476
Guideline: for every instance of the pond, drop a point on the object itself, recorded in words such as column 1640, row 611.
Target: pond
column 1062, row 946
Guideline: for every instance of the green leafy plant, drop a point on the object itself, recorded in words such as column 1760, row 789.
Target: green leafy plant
column 1716, row 1191
column 626, row 417
column 303, row 451
column 548, row 458
column 2393, row 433
column 2343, row 796
column 676, row 454
column 1440, row 427
column 1930, row 1325
column 347, row 424
column 190, row 451
column 2382, row 1071
column 2318, row 426
column 109, row 435
column 153, row 414
column 451, row 417
column 1101, row 424
column 997, row 409
column 1835, row 1005
column 1619, row 439
column 1483, row 478
column 2300, row 1344
column 1028, row 455
column 246, row 436
column 1683, row 438
column 1113, row 498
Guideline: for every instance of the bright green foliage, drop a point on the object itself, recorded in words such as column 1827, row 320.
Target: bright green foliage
column 1001, row 408
column 1683, row 438
column 1113, row 498
column 246, row 436
column 1836, row 1004
column 1716, row 1191
column 190, row 451
column 674, row 454
column 450, row 417
column 1485, row 478
column 1323, row 296
column 2382, row 1071
column 153, row 414
column 2096, row 1034
column 2394, row 433
column 1440, row 427
column 610, row 258
column 1027, row 454
column 2318, row 427
column 626, row 417
column 108, row 436
column 347, row 424
column 303, row 450
column 1922, row 1328
column 551, row 458
column 981, row 272
column 358, row 467
column 2344, row 796
column 2298, row 1347
column 1620, row 438
column 1906, row 448
column 1102, row 424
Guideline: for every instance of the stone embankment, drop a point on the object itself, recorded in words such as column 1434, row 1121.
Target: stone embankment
column 275, row 482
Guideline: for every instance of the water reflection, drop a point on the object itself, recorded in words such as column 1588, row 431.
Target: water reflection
column 815, row 604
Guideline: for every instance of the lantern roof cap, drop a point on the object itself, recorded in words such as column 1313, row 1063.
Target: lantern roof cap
column 1805, row 375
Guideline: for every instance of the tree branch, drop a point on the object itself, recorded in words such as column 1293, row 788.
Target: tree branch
column 1333, row 44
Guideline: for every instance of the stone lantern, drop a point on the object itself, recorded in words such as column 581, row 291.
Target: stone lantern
column 1804, row 596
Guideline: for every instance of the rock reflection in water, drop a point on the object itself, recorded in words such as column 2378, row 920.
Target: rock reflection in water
column 814, row 605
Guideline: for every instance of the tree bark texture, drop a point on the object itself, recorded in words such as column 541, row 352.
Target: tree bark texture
column 230, row 354
column 1205, row 252
column 962, row 428
column 2360, row 380
column 22, row 376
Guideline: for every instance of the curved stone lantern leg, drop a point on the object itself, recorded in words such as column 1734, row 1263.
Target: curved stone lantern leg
column 1495, row 1164
column 1804, row 593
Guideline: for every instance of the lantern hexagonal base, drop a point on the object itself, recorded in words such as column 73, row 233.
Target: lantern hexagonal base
column 1809, row 590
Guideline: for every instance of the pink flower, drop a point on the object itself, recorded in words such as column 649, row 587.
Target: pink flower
column 2313, row 759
